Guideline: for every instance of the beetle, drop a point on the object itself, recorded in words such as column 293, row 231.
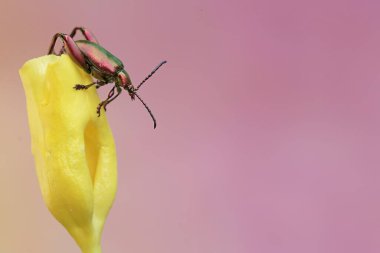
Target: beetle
column 101, row 64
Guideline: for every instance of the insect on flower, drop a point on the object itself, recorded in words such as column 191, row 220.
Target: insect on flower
column 101, row 64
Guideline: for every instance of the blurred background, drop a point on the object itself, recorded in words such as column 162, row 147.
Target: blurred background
column 268, row 125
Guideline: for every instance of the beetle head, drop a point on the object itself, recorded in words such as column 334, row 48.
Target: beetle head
column 124, row 81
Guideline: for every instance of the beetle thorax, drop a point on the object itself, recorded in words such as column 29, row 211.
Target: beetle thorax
column 123, row 79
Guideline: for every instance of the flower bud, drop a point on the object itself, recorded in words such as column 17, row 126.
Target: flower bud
column 73, row 148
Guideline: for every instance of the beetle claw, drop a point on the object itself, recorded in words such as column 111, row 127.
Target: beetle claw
column 99, row 108
column 80, row 87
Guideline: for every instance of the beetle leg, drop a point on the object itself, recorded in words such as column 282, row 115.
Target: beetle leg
column 111, row 93
column 101, row 104
column 71, row 48
column 100, row 84
column 52, row 44
column 109, row 99
column 86, row 33
column 112, row 99
column 86, row 86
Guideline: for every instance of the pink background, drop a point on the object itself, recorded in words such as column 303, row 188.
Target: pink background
column 268, row 125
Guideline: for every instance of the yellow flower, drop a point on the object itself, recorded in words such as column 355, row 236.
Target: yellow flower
column 74, row 150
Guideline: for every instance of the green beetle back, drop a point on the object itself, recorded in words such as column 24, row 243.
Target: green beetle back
column 99, row 57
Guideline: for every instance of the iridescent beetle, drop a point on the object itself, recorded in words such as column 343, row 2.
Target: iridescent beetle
column 101, row 64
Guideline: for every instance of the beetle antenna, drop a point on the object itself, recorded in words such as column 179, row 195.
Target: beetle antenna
column 151, row 73
column 150, row 112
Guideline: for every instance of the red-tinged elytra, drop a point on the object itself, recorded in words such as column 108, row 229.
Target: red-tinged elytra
column 101, row 64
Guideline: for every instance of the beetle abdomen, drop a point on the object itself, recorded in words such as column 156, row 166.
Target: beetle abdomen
column 99, row 58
